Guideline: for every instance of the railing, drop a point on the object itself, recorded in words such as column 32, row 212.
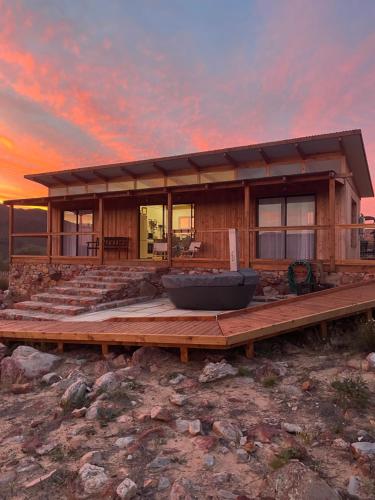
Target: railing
column 341, row 244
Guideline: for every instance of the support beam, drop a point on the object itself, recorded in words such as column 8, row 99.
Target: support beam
column 105, row 349
column 127, row 172
column 162, row 171
column 170, row 228
column 231, row 160
column 342, row 147
column 60, row 347
column 300, row 153
column 49, row 231
column 323, row 330
column 196, row 167
column 10, row 231
column 369, row 315
column 184, row 354
column 246, row 235
column 264, row 156
column 332, row 222
column 249, row 349
column 60, row 180
column 101, row 230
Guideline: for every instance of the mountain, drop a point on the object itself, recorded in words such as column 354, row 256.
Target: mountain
column 33, row 220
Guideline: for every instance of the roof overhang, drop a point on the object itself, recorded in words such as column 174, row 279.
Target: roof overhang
column 348, row 143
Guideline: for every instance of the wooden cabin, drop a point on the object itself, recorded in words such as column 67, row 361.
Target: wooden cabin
column 290, row 199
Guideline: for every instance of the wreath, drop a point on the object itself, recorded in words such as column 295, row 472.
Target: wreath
column 309, row 281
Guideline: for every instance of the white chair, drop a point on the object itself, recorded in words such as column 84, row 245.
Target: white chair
column 160, row 249
column 193, row 249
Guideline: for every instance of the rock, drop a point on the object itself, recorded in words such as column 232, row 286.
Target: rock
column 93, row 478
column 106, row 383
column 74, row 396
column 363, row 449
column 242, row 455
column 7, row 478
column 180, row 491
column 291, row 428
column 41, row 479
column 340, row 444
column 3, row 351
column 291, row 390
column 21, row 388
column 120, row 361
column 160, row 413
column 146, row 356
column 124, row 442
column 354, row 485
column 227, row 430
column 177, row 379
column 26, row 363
column 297, row 481
column 209, row 461
column 216, row 371
column 226, row 495
column 221, row 477
column 182, row 425
column 91, row 457
column 306, row 386
column 51, row 378
column 164, row 483
column 159, row 463
column 46, row 448
column 195, row 427
column 370, row 359
column 79, row 412
column 178, row 399
column 263, row 433
column 205, row 443
column 126, row 489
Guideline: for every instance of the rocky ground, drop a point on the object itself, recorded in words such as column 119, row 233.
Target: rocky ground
column 296, row 422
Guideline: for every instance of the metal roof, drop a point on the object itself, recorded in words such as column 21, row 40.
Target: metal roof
column 349, row 143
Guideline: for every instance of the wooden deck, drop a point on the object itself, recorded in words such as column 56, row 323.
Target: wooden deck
column 224, row 331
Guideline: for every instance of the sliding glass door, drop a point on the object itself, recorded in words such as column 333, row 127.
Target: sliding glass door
column 77, row 221
column 286, row 211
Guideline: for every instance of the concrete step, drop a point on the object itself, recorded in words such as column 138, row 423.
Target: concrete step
column 29, row 315
column 81, row 291
column 50, row 308
column 118, row 274
column 70, row 300
column 122, row 280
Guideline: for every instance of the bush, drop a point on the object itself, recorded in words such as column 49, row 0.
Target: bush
column 365, row 338
column 285, row 455
column 351, row 393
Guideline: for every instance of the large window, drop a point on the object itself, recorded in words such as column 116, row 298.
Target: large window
column 77, row 221
column 286, row 211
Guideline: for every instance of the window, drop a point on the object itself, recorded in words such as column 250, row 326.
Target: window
column 286, row 211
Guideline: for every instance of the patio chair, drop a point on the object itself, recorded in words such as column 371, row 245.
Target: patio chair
column 160, row 249
column 193, row 249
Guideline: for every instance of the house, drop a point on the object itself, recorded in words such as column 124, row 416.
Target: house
column 290, row 199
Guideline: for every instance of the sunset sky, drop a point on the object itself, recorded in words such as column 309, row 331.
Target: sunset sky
column 94, row 81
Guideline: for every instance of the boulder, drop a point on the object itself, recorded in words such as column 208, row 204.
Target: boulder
column 291, row 428
column 74, row 396
column 228, row 431
column 50, row 378
column 124, row 442
column 3, row 351
column 91, row 457
column 216, row 371
column 363, row 449
column 126, row 489
column 93, row 478
column 26, row 363
column 106, row 383
column 370, row 359
column 298, row 482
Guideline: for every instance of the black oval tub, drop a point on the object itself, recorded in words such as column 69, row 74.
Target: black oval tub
column 213, row 292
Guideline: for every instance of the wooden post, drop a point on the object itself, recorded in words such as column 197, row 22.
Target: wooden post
column 184, row 354
column 101, row 231
column 105, row 349
column 332, row 222
column 323, row 330
column 11, row 231
column 60, row 347
column 369, row 316
column 246, row 236
column 170, row 228
column 233, row 250
column 49, row 231
column 249, row 349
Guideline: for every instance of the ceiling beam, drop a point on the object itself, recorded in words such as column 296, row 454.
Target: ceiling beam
column 194, row 164
column 79, row 177
column 264, row 156
column 301, row 154
column 60, row 180
column 231, row 160
column 160, row 169
column 100, row 176
column 128, row 173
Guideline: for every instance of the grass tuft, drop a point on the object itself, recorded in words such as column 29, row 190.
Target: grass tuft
column 351, row 393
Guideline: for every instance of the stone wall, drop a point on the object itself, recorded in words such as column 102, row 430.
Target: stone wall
column 28, row 279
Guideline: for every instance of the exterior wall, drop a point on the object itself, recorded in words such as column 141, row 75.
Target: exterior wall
column 28, row 279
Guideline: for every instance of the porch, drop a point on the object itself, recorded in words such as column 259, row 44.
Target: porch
column 278, row 220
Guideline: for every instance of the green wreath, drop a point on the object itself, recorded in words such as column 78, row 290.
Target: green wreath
column 309, row 280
